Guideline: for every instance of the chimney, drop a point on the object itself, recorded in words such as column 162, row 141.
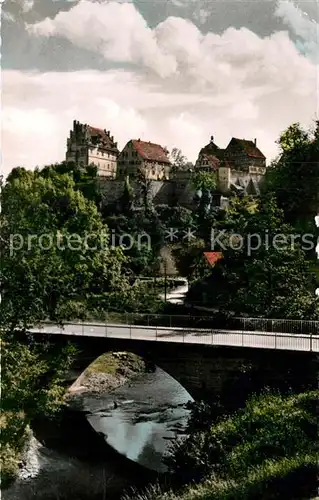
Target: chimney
column 255, row 142
column 108, row 133
column 112, row 138
column 211, row 138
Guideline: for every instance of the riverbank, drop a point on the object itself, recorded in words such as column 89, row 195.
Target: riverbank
column 108, row 372
column 65, row 456
column 68, row 460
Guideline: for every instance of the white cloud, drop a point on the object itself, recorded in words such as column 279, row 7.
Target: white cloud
column 7, row 16
column 116, row 30
column 304, row 27
column 25, row 5
column 177, row 50
column 37, row 116
column 183, row 86
column 39, row 109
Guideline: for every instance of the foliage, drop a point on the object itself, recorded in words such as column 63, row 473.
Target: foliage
column 49, row 267
column 265, row 450
column 294, row 176
column 127, row 201
column 261, row 267
column 189, row 258
column 149, row 231
column 204, row 180
column 178, row 161
column 85, row 178
column 31, row 385
column 14, row 436
column 55, row 247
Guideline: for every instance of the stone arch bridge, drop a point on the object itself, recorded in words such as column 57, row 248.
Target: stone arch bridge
column 206, row 362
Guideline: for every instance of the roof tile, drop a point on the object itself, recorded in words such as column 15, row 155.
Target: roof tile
column 105, row 138
column 249, row 147
column 213, row 257
column 150, row 151
column 213, row 161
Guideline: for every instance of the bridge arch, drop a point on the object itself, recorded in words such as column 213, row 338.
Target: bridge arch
column 205, row 371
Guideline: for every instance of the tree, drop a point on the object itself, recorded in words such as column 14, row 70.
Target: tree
column 31, row 372
column 293, row 137
column 294, row 176
column 145, row 185
column 126, row 201
column 85, row 179
column 56, row 260
column 204, row 180
column 55, row 247
column 178, row 161
column 263, row 272
column 189, row 257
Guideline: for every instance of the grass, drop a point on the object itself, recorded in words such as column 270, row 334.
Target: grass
column 117, row 363
column 266, row 451
column 276, row 480
column 106, row 363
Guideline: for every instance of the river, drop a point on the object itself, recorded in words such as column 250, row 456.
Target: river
column 140, row 418
column 150, row 412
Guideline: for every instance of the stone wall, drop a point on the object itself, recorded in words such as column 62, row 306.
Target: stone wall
column 185, row 193
column 209, row 371
column 180, row 190
column 160, row 192
column 243, row 178
column 111, row 190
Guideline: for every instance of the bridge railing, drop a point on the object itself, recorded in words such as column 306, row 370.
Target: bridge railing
column 189, row 335
column 213, row 322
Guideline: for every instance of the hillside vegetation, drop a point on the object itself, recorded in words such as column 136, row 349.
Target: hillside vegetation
column 267, row 450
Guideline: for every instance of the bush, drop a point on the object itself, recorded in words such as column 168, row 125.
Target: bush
column 14, row 435
column 272, row 437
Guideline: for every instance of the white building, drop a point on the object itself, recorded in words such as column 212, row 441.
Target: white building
column 88, row 145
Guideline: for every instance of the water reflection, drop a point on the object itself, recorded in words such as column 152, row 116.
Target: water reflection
column 147, row 415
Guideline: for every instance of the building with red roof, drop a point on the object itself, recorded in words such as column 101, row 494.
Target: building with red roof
column 147, row 158
column 240, row 167
column 213, row 257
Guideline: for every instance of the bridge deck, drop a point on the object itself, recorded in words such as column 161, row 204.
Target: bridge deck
column 238, row 338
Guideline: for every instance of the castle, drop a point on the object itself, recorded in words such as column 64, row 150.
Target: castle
column 240, row 167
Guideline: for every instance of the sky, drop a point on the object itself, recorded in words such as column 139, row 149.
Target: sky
column 173, row 72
